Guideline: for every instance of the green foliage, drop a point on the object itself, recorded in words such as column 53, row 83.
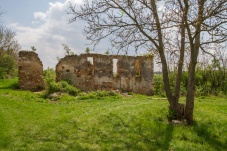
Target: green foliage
column 33, row 48
column 148, row 55
column 29, row 122
column 87, row 50
column 49, row 76
column 7, row 66
column 158, row 85
column 107, row 52
column 209, row 81
column 171, row 115
column 62, row 87
column 68, row 80
column 98, row 95
column 8, row 53
column 67, row 49
column 3, row 73
column 9, row 84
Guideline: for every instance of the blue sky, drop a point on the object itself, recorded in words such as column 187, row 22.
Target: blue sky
column 21, row 11
column 44, row 24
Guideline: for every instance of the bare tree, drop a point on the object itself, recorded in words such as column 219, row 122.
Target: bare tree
column 206, row 25
column 1, row 13
column 9, row 48
column 67, row 50
column 185, row 26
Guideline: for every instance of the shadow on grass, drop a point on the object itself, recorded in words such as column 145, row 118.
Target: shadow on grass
column 204, row 131
column 133, row 134
column 4, row 138
column 168, row 136
column 13, row 86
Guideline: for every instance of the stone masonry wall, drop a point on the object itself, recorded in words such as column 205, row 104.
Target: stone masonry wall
column 108, row 72
column 30, row 71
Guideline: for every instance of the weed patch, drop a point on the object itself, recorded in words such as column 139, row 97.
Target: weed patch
column 98, row 95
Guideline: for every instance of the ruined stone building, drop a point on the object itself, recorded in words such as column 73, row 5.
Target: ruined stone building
column 30, row 71
column 91, row 72
column 108, row 72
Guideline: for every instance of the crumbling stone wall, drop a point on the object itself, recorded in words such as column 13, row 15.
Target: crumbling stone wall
column 97, row 72
column 30, row 71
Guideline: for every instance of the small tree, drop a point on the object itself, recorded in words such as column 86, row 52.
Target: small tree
column 9, row 48
column 87, row 50
column 107, row 52
column 67, row 49
column 33, row 48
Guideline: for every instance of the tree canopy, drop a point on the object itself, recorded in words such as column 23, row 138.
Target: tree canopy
column 9, row 48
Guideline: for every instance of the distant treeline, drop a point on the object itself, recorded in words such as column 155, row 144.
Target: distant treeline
column 211, row 80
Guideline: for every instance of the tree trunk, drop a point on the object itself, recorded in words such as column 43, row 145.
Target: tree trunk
column 172, row 100
column 190, row 94
column 195, row 45
column 191, row 81
column 182, row 51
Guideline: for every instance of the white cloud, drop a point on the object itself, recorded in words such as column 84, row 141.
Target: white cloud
column 40, row 15
column 50, row 30
column 35, row 22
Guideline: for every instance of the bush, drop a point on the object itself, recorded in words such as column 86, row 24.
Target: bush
column 60, row 87
column 7, row 67
column 98, row 95
column 63, row 87
column 159, row 85
column 49, row 76
column 9, row 83
column 209, row 81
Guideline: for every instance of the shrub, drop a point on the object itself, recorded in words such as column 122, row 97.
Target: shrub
column 98, row 95
column 158, row 85
column 49, row 76
column 60, row 87
column 209, row 81
column 63, row 87
column 7, row 67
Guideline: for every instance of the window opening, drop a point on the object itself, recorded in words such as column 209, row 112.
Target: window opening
column 115, row 67
column 90, row 60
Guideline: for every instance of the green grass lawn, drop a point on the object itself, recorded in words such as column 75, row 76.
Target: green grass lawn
column 29, row 122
